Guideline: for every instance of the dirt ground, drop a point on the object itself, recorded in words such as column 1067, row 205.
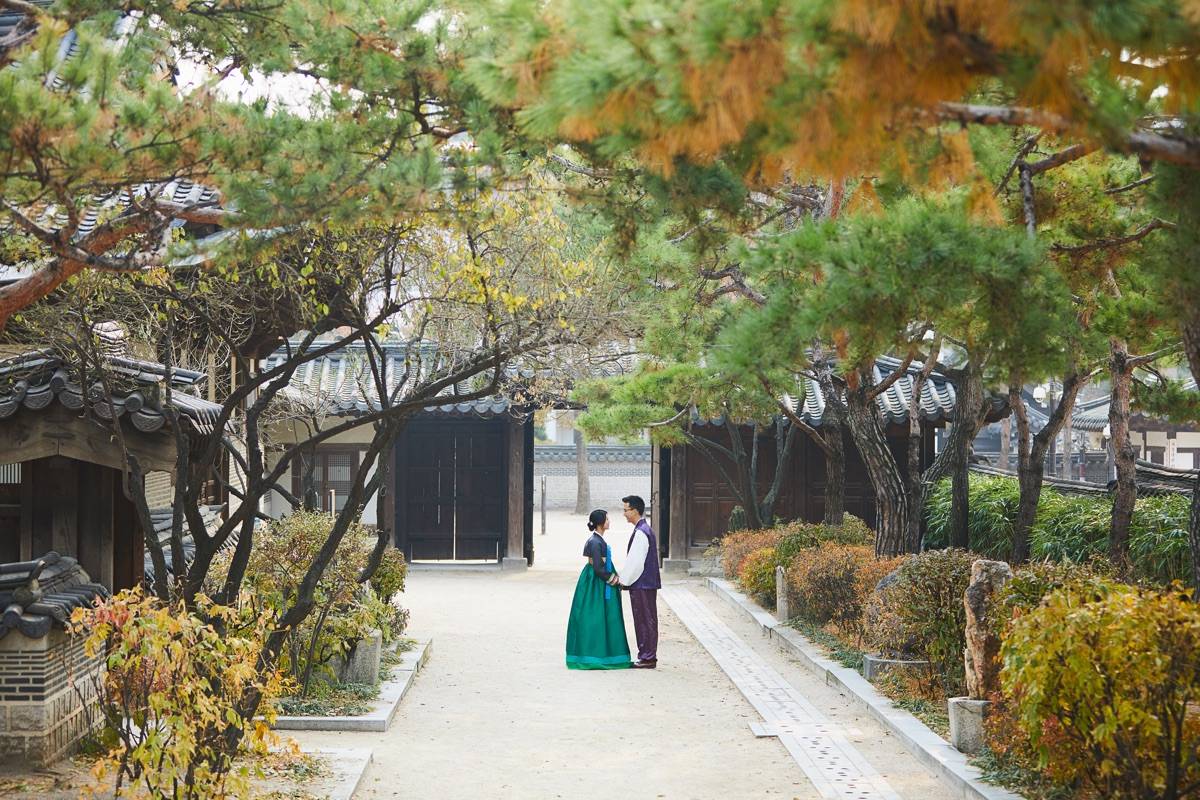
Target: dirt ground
column 495, row 714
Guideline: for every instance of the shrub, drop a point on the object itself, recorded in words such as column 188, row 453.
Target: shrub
column 1068, row 527
column 344, row 610
column 796, row 537
column 737, row 519
column 388, row 580
column 920, row 613
column 757, row 575
column 1158, row 539
column 736, row 546
column 1032, row 582
column 832, row 584
column 991, row 513
column 172, row 695
column 1108, row 674
column 823, row 585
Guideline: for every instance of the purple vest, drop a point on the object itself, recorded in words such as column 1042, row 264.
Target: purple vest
column 650, row 578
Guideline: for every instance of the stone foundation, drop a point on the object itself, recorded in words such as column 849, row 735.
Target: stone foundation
column 966, row 723
column 875, row 667
column 47, row 696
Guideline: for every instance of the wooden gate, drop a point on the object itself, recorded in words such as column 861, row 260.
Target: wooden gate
column 451, row 490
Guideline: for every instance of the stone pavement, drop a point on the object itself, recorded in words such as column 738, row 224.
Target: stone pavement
column 495, row 713
column 821, row 748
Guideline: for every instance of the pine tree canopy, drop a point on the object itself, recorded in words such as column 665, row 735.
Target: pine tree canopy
column 288, row 112
column 837, row 87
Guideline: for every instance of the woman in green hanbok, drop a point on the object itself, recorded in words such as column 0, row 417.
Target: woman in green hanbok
column 596, row 628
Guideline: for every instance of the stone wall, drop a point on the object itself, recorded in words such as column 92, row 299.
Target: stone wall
column 613, row 472
column 47, row 691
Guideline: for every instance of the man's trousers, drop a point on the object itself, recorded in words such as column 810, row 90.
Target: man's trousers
column 644, row 604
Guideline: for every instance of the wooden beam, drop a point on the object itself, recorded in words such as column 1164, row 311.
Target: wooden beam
column 30, row 435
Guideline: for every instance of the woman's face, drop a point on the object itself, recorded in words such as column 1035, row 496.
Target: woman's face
column 602, row 527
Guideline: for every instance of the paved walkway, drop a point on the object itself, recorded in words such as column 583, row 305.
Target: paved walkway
column 495, row 714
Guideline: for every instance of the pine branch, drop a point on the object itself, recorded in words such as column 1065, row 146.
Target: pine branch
column 1100, row 244
column 1025, row 149
column 1128, row 186
column 1174, row 149
column 1072, row 153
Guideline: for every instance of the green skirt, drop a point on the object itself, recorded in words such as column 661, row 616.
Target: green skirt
column 596, row 628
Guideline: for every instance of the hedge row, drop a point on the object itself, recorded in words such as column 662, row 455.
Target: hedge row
column 1068, row 527
column 1101, row 679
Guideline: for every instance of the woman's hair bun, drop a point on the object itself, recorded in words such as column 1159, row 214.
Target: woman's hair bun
column 591, row 525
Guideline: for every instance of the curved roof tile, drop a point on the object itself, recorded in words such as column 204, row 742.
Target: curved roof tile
column 37, row 379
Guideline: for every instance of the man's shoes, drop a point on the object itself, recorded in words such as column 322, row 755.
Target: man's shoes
column 645, row 664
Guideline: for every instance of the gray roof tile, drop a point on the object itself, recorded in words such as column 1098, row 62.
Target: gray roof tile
column 36, row 379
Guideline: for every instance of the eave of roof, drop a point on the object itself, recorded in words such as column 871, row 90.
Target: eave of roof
column 35, row 380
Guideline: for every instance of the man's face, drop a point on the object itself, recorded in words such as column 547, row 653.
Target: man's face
column 631, row 514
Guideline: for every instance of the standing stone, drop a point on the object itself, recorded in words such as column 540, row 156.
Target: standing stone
column 782, row 612
column 983, row 645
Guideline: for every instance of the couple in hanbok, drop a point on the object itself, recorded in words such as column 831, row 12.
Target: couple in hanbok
column 596, row 628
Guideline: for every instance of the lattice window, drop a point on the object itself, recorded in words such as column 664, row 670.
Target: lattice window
column 333, row 475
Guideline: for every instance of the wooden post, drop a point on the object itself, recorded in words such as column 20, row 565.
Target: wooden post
column 543, row 505
column 677, row 550
column 514, row 555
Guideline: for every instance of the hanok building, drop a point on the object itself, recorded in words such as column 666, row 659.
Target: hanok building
column 691, row 502
column 68, row 533
column 61, row 487
column 461, row 478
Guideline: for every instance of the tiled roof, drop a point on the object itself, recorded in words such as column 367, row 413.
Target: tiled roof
column 1092, row 415
column 162, row 519
column 38, row 594
column 1152, row 479
column 341, row 384
column 937, row 396
column 36, row 379
column 595, row 452
column 11, row 20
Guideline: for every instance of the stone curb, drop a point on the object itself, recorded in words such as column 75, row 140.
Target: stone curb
column 349, row 768
column 384, row 709
column 947, row 764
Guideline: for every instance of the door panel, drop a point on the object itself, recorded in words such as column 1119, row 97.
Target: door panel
column 451, row 490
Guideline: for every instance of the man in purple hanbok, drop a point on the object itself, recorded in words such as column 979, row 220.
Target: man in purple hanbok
column 641, row 577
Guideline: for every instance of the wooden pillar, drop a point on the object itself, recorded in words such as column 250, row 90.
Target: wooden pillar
column 96, row 534
column 656, row 491
column 677, row 497
column 514, row 557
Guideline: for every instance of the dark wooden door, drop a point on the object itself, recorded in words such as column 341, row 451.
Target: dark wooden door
column 480, row 492
column 10, row 512
column 450, row 494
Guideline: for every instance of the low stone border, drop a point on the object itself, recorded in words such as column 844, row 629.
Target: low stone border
column 349, row 766
column 949, row 765
column 383, row 710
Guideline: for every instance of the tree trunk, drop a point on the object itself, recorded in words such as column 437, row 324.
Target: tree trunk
column 1191, row 347
column 1031, row 457
column 912, row 479
column 969, row 415
column 1125, row 493
column 1030, row 475
column 891, row 499
column 834, row 423
column 835, row 477
column 583, row 486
